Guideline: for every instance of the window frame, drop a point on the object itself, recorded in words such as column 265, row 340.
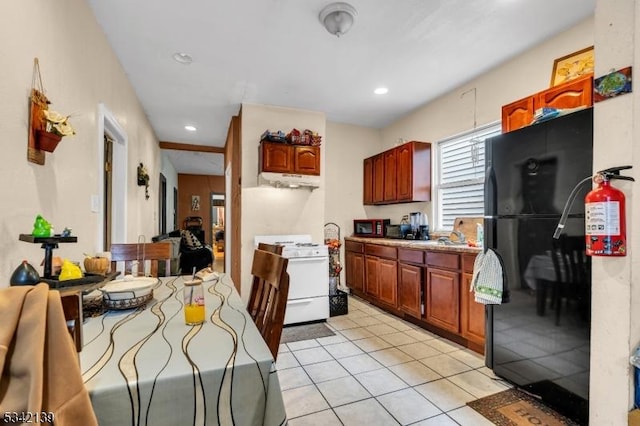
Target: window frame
column 483, row 132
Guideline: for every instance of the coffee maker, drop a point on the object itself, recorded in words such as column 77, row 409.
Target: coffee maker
column 419, row 226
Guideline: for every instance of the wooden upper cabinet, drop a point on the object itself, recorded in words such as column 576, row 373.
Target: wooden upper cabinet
column 414, row 171
column 367, row 189
column 517, row 114
column 572, row 94
column 401, row 174
column 378, row 179
column 390, row 176
column 284, row 158
column 276, row 157
column 306, row 160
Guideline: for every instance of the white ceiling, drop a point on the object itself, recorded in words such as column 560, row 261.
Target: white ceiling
column 276, row 52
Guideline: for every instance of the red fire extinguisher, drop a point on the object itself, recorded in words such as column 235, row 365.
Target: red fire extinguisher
column 605, row 225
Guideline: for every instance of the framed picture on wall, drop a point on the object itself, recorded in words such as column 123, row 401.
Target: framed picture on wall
column 572, row 66
column 195, row 202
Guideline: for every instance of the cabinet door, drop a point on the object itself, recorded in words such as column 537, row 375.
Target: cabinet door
column 378, row 178
column 405, row 171
column 276, row 157
column 306, row 160
column 367, row 184
column 388, row 281
column 573, row 94
column 517, row 114
column 410, row 289
column 472, row 313
column 371, row 281
column 390, row 171
column 354, row 273
column 442, row 299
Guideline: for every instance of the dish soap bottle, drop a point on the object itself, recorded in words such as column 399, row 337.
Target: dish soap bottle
column 480, row 235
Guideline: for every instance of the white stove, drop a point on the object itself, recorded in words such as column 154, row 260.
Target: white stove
column 308, row 270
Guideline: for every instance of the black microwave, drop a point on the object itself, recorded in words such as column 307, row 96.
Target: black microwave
column 370, row 227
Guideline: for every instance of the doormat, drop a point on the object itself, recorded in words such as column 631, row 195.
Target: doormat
column 297, row 333
column 515, row 408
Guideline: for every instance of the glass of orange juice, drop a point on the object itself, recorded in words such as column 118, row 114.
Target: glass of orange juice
column 194, row 312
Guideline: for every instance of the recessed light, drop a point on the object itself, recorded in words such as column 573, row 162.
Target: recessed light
column 381, row 91
column 190, row 128
column 183, row 58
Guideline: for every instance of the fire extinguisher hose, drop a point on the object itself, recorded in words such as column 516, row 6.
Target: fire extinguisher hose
column 567, row 207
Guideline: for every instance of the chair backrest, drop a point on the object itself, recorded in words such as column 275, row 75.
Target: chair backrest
column 268, row 299
column 72, row 308
column 137, row 254
column 271, row 248
column 573, row 265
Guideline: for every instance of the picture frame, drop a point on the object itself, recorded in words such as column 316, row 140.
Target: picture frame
column 572, row 66
column 195, row 202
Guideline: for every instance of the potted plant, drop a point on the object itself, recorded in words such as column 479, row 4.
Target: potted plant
column 56, row 126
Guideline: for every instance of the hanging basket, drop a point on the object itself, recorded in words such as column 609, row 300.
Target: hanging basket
column 47, row 141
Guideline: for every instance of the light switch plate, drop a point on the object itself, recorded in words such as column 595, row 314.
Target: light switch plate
column 95, row 203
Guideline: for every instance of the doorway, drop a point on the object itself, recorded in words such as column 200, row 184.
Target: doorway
column 218, row 230
column 163, row 204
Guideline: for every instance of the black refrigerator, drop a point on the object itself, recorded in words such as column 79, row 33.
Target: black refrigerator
column 529, row 176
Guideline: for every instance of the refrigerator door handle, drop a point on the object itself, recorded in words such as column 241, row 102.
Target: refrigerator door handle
column 490, row 199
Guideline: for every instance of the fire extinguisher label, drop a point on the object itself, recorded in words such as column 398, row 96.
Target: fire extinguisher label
column 602, row 218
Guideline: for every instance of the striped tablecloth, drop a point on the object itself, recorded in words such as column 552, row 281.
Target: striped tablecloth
column 146, row 367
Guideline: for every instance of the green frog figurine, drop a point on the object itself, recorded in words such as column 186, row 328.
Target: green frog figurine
column 41, row 228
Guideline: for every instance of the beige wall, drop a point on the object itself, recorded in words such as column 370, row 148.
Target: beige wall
column 267, row 210
column 79, row 71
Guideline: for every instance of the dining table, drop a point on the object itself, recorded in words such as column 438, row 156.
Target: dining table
column 146, row 366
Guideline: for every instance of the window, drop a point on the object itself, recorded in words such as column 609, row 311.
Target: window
column 460, row 175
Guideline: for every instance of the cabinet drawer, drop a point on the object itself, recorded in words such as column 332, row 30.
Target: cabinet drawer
column 381, row 251
column 467, row 262
column 354, row 246
column 443, row 260
column 411, row 256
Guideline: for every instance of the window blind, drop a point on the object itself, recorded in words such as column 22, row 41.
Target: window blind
column 460, row 179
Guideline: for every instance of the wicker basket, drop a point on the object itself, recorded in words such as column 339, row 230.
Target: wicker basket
column 129, row 303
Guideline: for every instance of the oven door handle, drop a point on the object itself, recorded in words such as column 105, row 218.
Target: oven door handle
column 308, row 259
column 299, row 301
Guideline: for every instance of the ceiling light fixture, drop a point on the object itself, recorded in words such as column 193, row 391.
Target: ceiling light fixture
column 190, row 128
column 381, row 91
column 183, row 58
column 338, row 18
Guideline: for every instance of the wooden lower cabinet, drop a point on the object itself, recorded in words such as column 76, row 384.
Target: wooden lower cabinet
column 472, row 314
column 442, row 299
column 381, row 279
column 427, row 287
column 354, row 273
column 410, row 289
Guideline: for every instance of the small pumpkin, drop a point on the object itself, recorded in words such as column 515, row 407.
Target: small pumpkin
column 96, row 265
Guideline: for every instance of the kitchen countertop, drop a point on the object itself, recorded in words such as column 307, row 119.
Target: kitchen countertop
column 417, row 244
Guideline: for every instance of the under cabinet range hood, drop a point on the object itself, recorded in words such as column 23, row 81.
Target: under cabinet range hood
column 288, row 180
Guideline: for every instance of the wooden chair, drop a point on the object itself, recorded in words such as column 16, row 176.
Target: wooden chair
column 268, row 299
column 573, row 275
column 133, row 254
column 271, row 248
column 72, row 308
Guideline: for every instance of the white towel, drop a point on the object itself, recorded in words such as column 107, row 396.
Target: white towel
column 487, row 281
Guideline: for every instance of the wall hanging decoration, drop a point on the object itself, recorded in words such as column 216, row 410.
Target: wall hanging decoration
column 143, row 179
column 195, row 202
column 572, row 66
column 46, row 127
column 614, row 84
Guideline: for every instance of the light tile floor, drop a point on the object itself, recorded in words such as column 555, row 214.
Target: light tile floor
column 380, row 370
